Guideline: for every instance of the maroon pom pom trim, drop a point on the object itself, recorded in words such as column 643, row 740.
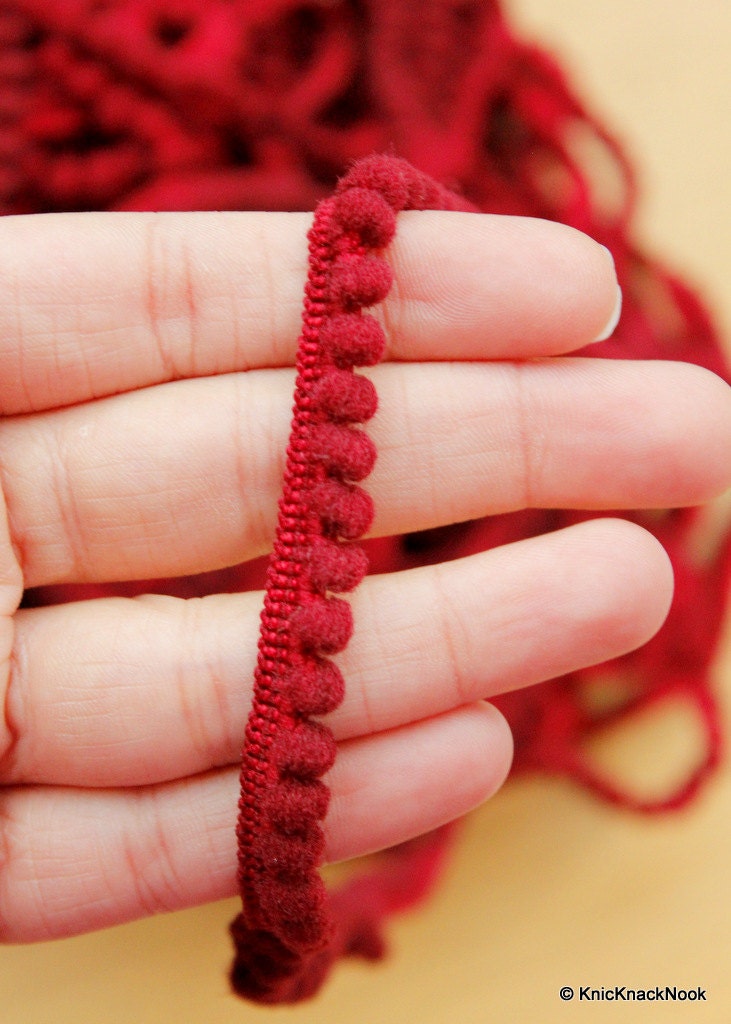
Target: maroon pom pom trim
column 289, row 933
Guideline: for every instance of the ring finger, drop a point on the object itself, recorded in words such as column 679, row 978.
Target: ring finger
column 133, row 692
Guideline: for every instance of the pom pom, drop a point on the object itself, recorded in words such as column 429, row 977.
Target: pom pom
column 315, row 687
column 402, row 186
column 324, row 624
column 294, row 807
column 306, row 751
column 367, row 214
column 343, row 451
column 352, row 340
column 388, row 175
column 335, row 566
column 291, row 858
column 261, row 960
column 360, row 281
column 345, row 509
column 297, row 914
column 345, row 396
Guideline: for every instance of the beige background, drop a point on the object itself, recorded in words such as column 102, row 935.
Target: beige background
column 547, row 887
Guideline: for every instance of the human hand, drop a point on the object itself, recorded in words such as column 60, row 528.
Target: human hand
column 135, row 446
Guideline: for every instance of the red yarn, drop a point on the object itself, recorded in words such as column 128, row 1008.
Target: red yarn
column 150, row 104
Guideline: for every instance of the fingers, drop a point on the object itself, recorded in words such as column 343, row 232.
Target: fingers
column 95, row 304
column 135, row 692
column 74, row 861
column 186, row 477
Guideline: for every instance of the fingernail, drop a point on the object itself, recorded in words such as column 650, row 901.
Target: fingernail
column 608, row 331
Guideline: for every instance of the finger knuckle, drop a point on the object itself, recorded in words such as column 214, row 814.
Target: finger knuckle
column 171, row 296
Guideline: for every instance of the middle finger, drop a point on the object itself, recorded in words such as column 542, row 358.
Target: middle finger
column 185, row 477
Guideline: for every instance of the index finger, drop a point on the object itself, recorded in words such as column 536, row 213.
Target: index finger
column 93, row 304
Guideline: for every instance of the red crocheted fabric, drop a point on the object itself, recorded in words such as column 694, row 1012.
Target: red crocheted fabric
column 205, row 104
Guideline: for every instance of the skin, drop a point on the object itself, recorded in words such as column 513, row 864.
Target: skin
column 146, row 368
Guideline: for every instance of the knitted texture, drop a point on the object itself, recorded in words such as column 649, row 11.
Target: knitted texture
column 201, row 104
